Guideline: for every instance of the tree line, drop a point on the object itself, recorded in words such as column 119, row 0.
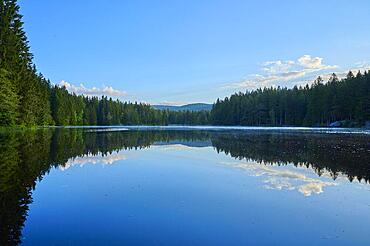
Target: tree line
column 71, row 109
column 346, row 100
column 29, row 99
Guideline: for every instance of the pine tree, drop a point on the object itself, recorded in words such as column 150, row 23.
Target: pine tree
column 15, row 57
column 8, row 100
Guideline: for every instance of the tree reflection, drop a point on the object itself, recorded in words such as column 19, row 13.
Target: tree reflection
column 348, row 155
column 26, row 156
column 23, row 161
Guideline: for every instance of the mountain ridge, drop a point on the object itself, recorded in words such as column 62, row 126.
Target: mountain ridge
column 189, row 107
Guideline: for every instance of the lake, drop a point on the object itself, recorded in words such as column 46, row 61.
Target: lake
column 185, row 186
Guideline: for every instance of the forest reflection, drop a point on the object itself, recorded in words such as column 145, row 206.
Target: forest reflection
column 26, row 156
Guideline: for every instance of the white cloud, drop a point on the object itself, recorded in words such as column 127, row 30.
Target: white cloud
column 94, row 91
column 310, row 62
column 362, row 65
column 278, row 73
column 274, row 67
column 358, row 66
column 260, row 81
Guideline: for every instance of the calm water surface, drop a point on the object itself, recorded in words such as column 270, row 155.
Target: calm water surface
column 185, row 186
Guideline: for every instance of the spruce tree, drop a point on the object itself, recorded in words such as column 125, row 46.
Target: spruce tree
column 8, row 100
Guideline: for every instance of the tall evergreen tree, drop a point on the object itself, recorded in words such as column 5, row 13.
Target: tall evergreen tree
column 16, row 58
column 346, row 100
column 8, row 100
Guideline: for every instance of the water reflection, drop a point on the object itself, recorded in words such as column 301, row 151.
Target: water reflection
column 105, row 159
column 348, row 155
column 282, row 179
column 26, row 156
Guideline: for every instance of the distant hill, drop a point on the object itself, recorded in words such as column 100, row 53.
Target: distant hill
column 190, row 107
column 193, row 143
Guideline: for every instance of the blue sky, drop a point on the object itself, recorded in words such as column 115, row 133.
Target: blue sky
column 177, row 52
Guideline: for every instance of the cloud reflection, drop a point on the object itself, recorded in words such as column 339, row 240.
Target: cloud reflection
column 282, row 179
column 106, row 159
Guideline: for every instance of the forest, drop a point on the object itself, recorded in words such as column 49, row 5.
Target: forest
column 27, row 98
column 345, row 101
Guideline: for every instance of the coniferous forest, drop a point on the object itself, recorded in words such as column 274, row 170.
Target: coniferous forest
column 29, row 99
column 346, row 101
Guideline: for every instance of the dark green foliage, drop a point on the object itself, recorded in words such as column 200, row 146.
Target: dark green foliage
column 71, row 109
column 8, row 100
column 316, row 105
column 16, row 59
column 27, row 98
column 20, row 168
